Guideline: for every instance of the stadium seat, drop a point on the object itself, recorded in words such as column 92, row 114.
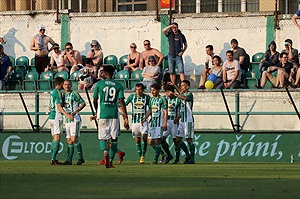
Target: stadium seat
column 22, row 64
column 30, row 82
column 122, row 77
column 252, row 78
column 254, row 65
column 32, row 61
column 165, row 63
column 122, row 62
column 63, row 74
column 45, row 81
column 258, row 56
column 243, row 84
column 135, row 78
column 111, row 59
column 15, row 81
column 74, row 79
column 12, row 60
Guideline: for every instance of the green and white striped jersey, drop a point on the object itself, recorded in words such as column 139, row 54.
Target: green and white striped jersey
column 186, row 108
column 56, row 97
column 72, row 101
column 139, row 106
column 157, row 105
column 173, row 107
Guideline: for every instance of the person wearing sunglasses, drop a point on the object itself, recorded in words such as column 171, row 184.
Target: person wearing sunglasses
column 133, row 59
column 57, row 63
column 39, row 44
column 96, row 53
column 150, row 73
column 72, row 58
column 148, row 52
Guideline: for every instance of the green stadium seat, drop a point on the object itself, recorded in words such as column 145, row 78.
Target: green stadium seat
column 135, row 78
column 243, row 84
column 63, row 74
column 252, row 78
column 254, row 65
column 32, row 61
column 21, row 65
column 30, row 82
column 165, row 63
column 257, row 57
column 122, row 62
column 15, row 81
column 111, row 59
column 74, row 79
column 12, row 60
column 45, row 81
column 122, row 77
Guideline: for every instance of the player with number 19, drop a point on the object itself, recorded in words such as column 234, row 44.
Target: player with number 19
column 107, row 94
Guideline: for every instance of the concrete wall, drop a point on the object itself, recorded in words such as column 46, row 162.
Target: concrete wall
column 204, row 102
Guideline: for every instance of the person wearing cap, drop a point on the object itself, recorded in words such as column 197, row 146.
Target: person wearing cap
column 294, row 19
column 150, row 51
column 150, row 73
column 177, row 46
column 57, row 58
column 5, row 68
column 72, row 58
column 292, row 52
column 240, row 55
column 96, row 53
column 39, row 44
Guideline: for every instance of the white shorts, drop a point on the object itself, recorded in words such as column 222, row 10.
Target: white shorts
column 108, row 128
column 186, row 130
column 138, row 129
column 155, row 132
column 56, row 127
column 73, row 129
column 171, row 129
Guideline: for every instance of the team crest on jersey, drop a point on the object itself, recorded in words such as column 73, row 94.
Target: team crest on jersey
column 171, row 107
column 139, row 105
column 154, row 108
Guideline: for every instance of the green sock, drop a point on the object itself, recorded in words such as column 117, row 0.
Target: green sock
column 70, row 152
column 113, row 149
column 184, row 148
column 165, row 147
column 157, row 152
column 144, row 148
column 177, row 152
column 192, row 151
column 138, row 148
column 103, row 146
column 54, row 149
column 79, row 150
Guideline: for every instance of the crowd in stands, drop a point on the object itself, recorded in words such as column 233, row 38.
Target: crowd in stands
column 282, row 69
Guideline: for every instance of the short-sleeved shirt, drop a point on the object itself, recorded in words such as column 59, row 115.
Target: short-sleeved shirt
column 274, row 59
column 4, row 64
column 173, row 107
column 287, row 67
column 108, row 92
column 230, row 69
column 72, row 101
column 186, row 108
column 151, row 69
column 56, row 97
column 157, row 105
column 139, row 106
column 176, row 42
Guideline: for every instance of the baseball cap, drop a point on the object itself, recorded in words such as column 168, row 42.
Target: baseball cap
column 151, row 57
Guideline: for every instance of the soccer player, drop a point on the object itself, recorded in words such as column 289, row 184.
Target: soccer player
column 186, row 124
column 73, row 104
column 159, row 117
column 139, row 102
column 109, row 92
column 55, row 118
column 173, row 104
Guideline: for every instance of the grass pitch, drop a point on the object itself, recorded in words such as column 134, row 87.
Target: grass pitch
column 37, row 179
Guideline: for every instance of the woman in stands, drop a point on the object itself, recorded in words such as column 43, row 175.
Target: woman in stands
column 133, row 59
column 271, row 57
column 96, row 54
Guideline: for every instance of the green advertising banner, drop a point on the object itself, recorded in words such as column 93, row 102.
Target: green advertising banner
column 209, row 147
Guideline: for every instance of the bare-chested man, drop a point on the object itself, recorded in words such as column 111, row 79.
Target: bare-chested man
column 39, row 44
column 72, row 58
column 150, row 51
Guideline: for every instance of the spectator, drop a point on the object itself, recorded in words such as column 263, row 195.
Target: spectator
column 150, row 51
column 5, row 68
column 297, row 74
column 240, row 55
column 294, row 19
column 271, row 57
column 133, row 59
column 284, row 69
column 39, row 44
column 89, row 75
column 72, row 58
column 150, row 73
column 231, row 74
column 177, row 46
column 292, row 52
column 57, row 63
column 217, row 70
column 208, row 64
column 96, row 53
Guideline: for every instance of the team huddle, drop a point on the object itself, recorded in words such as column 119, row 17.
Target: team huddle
column 169, row 115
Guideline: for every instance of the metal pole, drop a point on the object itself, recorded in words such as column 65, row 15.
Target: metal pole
column 27, row 113
column 228, row 111
column 92, row 109
column 170, row 10
column 292, row 101
column 37, row 110
column 237, row 110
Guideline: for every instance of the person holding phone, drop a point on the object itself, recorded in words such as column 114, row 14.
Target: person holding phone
column 96, row 54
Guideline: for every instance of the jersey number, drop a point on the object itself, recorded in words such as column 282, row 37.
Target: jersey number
column 110, row 93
